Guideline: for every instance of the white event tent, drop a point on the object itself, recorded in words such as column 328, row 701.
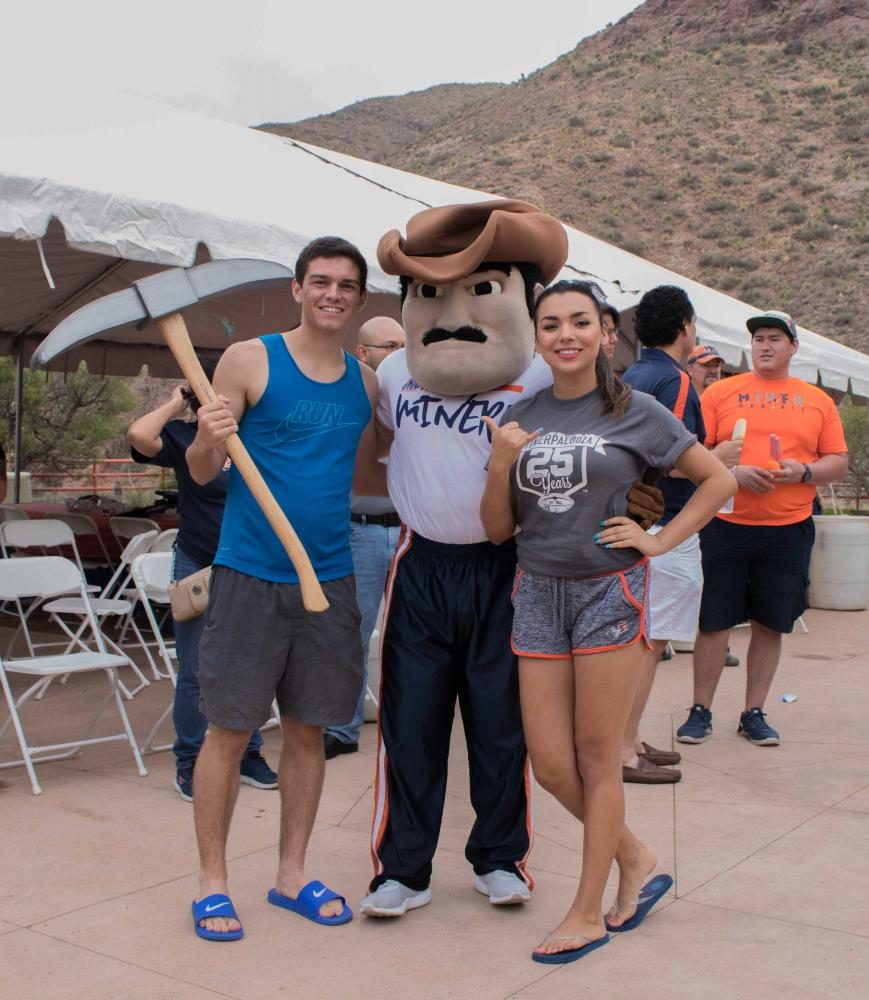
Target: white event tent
column 97, row 190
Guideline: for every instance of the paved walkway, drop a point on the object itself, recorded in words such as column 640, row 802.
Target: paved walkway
column 768, row 847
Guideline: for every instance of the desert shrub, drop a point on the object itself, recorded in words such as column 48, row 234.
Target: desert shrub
column 765, row 195
column 728, row 261
column 819, row 92
column 600, row 157
column 814, row 231
column 621, row 140
column 719, row 205
column 635, row 246
column 795, row 47
column 576, row 121
column 840, row 172
column 770, row 169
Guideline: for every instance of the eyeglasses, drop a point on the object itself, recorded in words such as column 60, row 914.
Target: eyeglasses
column 389, row 347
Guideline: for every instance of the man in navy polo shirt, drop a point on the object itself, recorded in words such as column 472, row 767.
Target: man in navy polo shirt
column 665, row 324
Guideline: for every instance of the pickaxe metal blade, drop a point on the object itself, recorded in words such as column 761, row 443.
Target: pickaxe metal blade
column 156, row 296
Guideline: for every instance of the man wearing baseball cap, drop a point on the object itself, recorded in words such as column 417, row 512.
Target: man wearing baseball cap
column 756, row 557
column 704, row 367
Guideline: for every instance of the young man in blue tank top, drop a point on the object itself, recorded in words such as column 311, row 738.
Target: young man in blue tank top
column 302, row 407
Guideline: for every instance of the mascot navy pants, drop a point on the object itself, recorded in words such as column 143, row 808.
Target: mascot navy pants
column 446, row 636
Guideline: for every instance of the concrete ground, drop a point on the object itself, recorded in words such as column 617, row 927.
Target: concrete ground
column 769, row 849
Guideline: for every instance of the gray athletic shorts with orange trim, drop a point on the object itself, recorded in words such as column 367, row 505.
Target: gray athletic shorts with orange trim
column 555, row 617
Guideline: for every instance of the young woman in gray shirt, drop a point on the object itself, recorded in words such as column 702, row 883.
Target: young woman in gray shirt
column 561, row 465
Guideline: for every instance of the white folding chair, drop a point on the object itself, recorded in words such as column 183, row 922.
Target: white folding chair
column 124, row 528
column 109, row 603
column 84, row 526
column 165, row 541
column 42, row 535
column 9, row 512
column 38, row 579
column 151, row 574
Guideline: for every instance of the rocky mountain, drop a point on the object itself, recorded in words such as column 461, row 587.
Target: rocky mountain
column 723, row 139
column 384, row 128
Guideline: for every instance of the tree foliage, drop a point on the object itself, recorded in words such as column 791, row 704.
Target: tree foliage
column 855, row 421
column 68, row 418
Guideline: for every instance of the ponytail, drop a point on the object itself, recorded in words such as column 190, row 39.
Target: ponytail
column 616, row 394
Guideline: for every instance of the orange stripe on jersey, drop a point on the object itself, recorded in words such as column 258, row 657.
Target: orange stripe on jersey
column 682, row 398
column 510, row 388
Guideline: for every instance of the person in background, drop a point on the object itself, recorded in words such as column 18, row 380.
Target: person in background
column 3, row 484
column 704, row 367
column 374, row 530
column 162, row 438
column 756, row 557
column 610, row 317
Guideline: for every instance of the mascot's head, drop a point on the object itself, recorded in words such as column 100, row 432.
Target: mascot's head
column 469, row 277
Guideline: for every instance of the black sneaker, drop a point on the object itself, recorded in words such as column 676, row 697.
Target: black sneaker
column 697, row 726
column 753, row 726
column 332, row 746
column 255, row 771
column 184, row 783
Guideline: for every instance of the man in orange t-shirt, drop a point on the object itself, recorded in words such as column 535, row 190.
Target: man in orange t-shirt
column 756, row 557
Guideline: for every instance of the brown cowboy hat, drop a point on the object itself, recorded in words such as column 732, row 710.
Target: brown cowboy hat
column 452, row 241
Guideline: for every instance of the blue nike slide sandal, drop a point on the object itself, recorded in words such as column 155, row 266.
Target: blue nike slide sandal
column 571, row 955
column 651, row 892
column 215, row 905
column 307, row 904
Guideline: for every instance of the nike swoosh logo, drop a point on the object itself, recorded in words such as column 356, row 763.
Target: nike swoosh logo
column 217, row 906
column 316, row 894
column 290, row 434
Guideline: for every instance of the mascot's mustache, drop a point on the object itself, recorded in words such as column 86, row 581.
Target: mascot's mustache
column 470, row 333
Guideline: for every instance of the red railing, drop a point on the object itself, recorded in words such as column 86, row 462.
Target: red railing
column 108, row 477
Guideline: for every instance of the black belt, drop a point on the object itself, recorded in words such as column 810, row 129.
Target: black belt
column 390, row 520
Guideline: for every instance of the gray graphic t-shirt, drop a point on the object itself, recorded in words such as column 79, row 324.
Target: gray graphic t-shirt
column 577, row 473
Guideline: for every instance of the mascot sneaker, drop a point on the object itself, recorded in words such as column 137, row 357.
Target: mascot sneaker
column 502, row 888
column 392, row 899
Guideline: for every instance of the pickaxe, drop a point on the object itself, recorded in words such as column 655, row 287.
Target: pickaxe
column 161, row 297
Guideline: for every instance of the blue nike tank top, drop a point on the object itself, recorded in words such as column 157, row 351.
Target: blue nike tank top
column 303, row 436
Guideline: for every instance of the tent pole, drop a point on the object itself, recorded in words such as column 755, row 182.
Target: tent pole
column 19, row 403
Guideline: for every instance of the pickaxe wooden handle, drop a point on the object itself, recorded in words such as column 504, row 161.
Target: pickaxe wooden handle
column 177, row 338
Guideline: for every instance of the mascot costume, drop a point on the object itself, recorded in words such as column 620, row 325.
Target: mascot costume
column 469, row 276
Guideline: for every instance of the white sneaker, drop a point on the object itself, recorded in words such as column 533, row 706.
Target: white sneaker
column 392, row 899
column 502, row 888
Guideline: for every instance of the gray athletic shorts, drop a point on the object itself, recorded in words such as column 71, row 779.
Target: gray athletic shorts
column 260, row 644
column 556, row 617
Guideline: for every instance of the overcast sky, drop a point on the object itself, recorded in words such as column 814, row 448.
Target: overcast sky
column 250, row 61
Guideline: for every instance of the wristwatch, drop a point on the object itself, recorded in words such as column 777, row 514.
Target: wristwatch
column 807, row 474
